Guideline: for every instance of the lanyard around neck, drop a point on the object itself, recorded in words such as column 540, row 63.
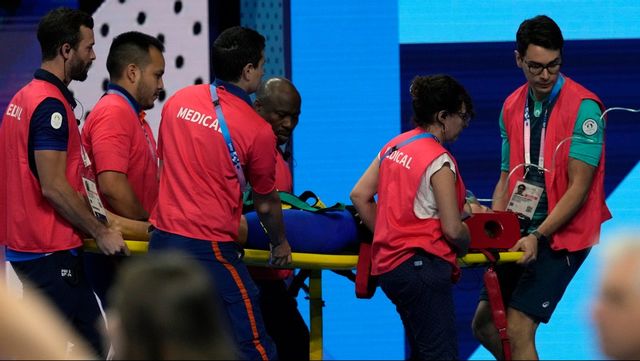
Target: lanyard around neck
column 227, row 138
column 545, row 118
column 152, row 149
column 407, row 141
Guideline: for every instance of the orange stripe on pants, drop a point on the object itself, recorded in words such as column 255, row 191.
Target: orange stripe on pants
column 245, row 296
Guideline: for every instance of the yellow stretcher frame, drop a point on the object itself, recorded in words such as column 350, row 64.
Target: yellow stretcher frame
column 316, row 263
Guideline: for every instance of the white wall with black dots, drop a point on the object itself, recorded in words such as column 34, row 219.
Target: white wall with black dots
column 181, row 25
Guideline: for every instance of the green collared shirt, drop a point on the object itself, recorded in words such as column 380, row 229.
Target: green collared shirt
column 586, row 145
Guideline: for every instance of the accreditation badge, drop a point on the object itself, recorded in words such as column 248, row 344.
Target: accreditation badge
column 94, row 199
column 524, row 199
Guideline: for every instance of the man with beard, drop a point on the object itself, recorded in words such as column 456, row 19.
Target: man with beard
column 120, row 142
column 42, row 215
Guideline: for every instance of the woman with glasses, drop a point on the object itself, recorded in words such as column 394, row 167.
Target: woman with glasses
column 417, row 220
column 553, row 143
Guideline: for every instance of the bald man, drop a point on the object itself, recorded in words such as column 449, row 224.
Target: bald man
column 278, row 102
column 617, row 308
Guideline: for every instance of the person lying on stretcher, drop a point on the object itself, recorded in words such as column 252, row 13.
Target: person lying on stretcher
column 139, row 230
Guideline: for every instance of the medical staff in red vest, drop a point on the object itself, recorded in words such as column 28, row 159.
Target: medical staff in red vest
column 553, row 151
column 43, row 217
column 417, row 220
column 120, row 142
column 211, row 143
column 116, row 134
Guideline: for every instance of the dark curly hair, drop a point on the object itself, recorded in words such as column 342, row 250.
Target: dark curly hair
column 434, row 93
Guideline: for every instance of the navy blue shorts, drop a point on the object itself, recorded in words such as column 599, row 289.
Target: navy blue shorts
column 60, row 278
column 101, row 273
column 422, row 292
column 232, row 281
column 536, row 289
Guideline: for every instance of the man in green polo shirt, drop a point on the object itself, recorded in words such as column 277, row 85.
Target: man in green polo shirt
column 553, row 151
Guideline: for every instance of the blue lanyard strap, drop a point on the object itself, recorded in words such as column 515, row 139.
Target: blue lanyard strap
column 405, row 142
column 152, row 149
column 117, row 92
column 227, row 138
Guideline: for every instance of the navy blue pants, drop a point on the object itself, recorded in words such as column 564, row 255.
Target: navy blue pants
column 421, row 290
column 60, row 278
column 233, row 283
column 101, row 273
column 283, row 320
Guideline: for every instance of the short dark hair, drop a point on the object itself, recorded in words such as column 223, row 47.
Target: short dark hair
column 434, row 93
column 540, row 30
column 130, row 48
column 233, row 50
column 60, row 26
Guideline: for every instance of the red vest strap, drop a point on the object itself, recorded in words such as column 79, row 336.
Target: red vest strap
column 495, row 301
column 365, row 283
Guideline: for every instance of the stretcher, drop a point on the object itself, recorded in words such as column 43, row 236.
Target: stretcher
column 316, row 263
column 491, row 235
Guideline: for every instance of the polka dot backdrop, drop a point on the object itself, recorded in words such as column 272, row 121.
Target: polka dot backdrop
column 266, row 17
column 179, row 24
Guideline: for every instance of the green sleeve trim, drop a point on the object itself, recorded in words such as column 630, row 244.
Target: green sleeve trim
column 588, row 134
column 504, row 163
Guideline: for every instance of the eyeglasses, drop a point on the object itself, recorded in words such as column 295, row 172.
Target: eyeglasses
column 537, row 68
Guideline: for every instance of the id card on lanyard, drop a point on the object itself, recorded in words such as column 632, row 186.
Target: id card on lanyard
column 526, row 194
column 91, row 189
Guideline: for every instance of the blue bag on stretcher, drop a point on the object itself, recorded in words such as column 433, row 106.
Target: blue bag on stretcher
column 310, row 228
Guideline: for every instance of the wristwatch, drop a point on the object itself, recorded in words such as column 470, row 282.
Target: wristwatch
column 539, row 236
